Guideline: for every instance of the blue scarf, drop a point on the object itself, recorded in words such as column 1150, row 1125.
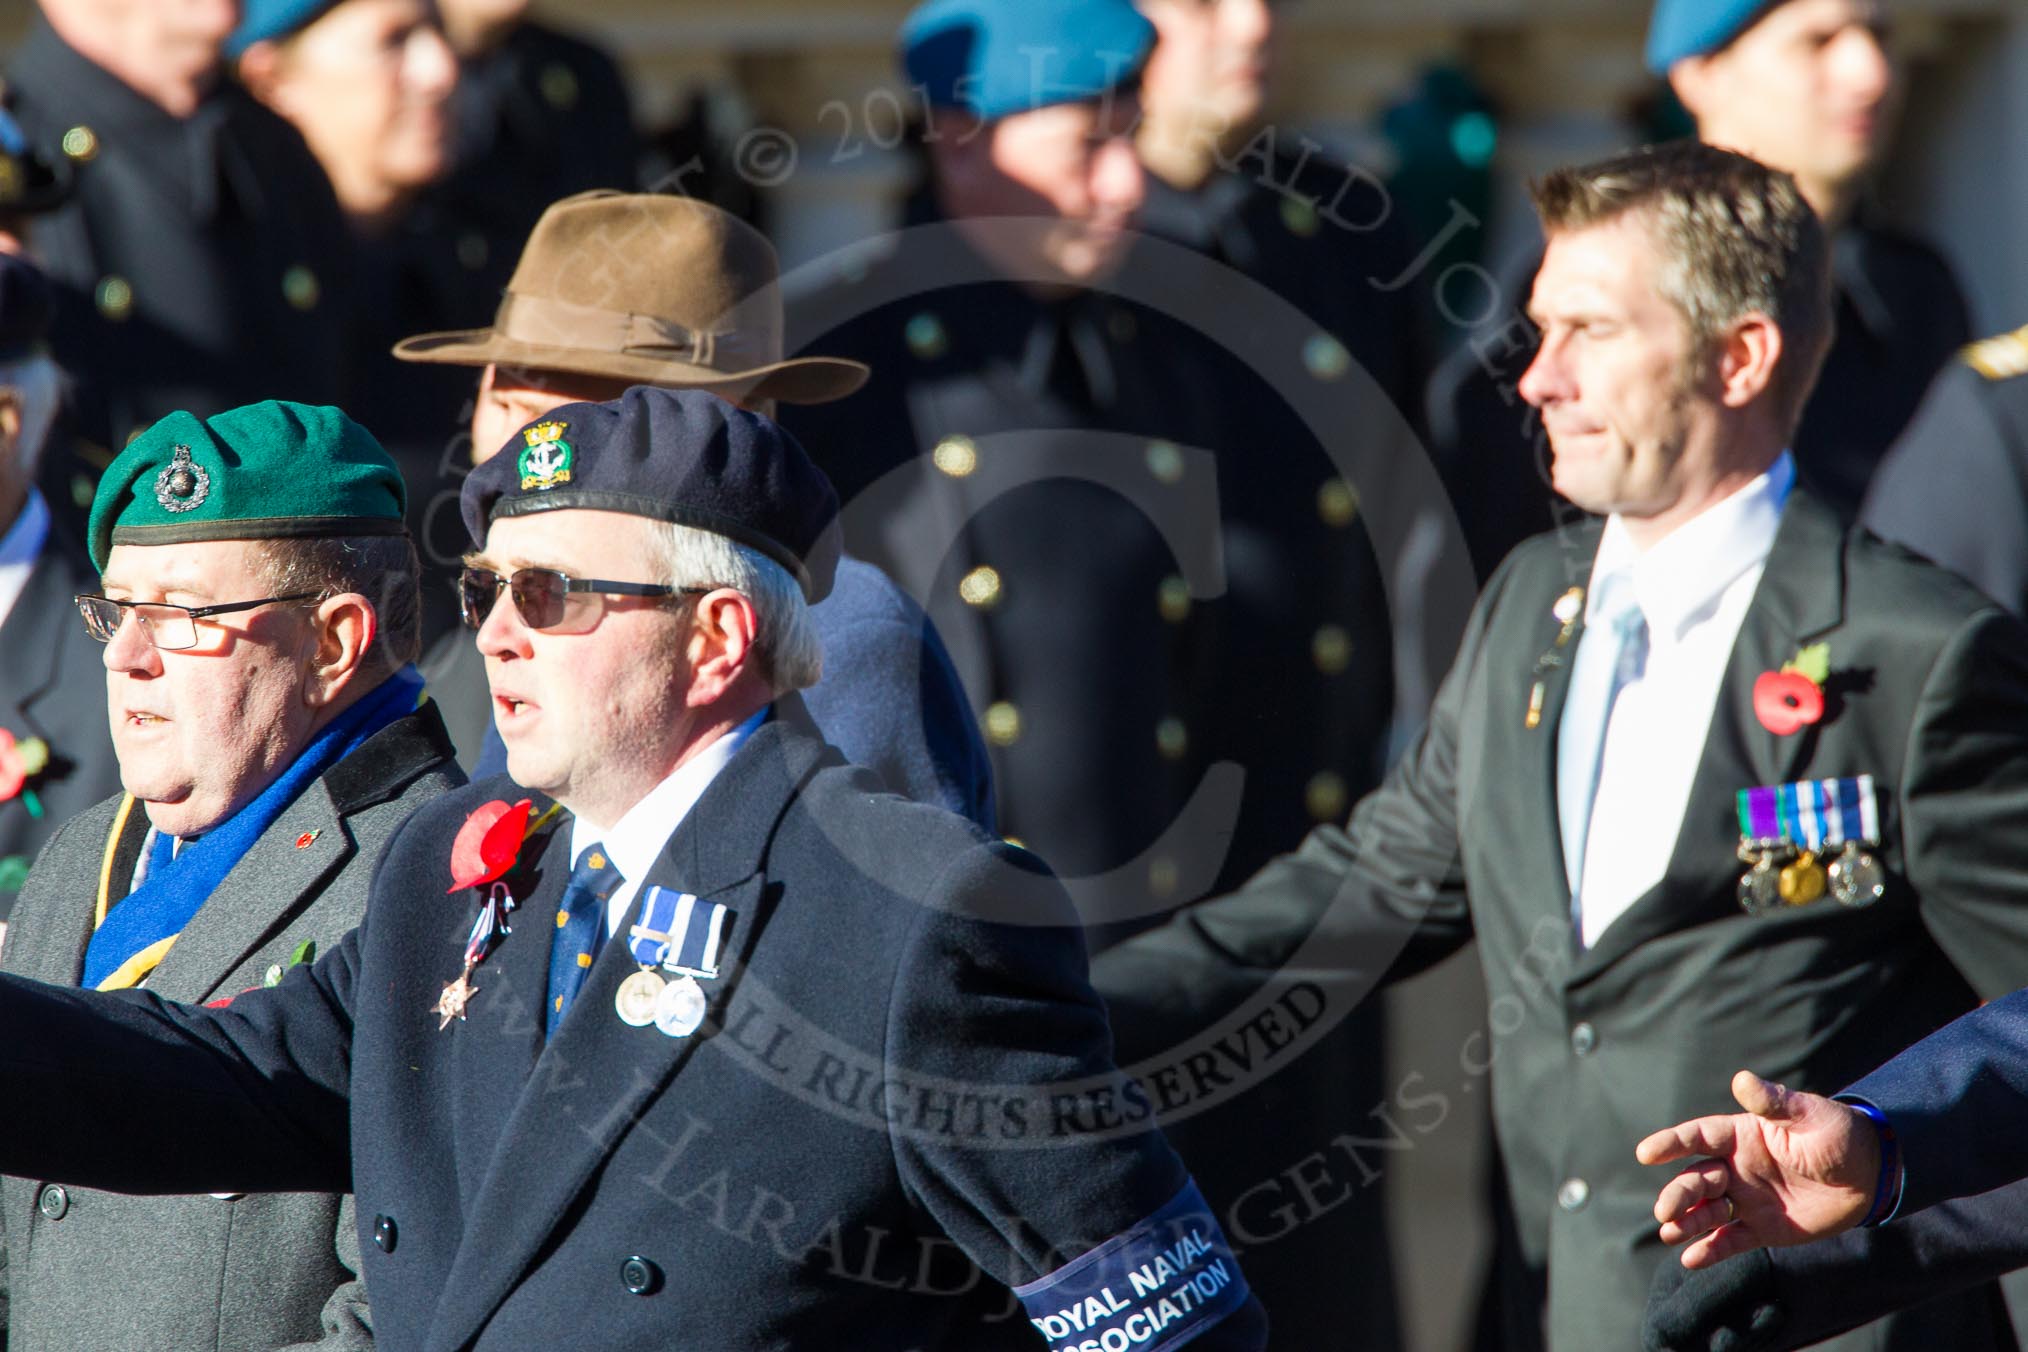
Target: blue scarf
column 158, row 910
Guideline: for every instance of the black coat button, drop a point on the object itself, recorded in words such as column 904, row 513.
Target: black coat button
column 383, row 1233
column 640, row 1277
column 53, row 1202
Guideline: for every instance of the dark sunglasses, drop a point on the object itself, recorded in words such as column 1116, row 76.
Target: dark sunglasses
column 542, row 595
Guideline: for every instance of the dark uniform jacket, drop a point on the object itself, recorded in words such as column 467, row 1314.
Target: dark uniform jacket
column 1593, row 1049
column 1776, row 1299
column 193, row 267
column 1047, row 477
column 866, row 1107
column 92, row 1269
column 53, row 686
column 541, row 117
column 1955, row 487
column 1316, row 651
column 1899, row 317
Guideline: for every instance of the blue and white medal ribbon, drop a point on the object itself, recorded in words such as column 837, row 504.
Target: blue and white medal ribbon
column 680, row 934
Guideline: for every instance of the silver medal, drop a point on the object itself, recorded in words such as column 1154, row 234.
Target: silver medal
column 636, row 998
column 1856, row 877
column 1760, row 888
column 679, row 1007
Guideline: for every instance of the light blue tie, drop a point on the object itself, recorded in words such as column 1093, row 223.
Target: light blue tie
column 580, row 919
column 1601, row 672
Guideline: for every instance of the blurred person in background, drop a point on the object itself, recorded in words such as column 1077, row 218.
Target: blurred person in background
column 56, row 758
column 542, row 114
column 1809, row 86
column 195, row 266
column 1955, row 487
column 602, row 264
column 371, row 85
column 1269, row 203
column 1053, row 457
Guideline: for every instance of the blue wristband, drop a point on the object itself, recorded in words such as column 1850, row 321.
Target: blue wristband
column 1887, row 1187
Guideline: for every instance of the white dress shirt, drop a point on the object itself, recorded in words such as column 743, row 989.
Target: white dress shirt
column 635, row 842
column 20, row 547
column 1693, row 587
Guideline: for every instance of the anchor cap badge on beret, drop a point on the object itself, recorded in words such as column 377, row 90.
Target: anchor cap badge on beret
column 545, row 456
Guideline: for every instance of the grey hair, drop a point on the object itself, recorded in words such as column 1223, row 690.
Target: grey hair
column 382, row 568
column 38, row 389
column 1735, row 237
column 787, row 651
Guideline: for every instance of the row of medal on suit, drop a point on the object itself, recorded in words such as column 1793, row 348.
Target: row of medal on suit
column 1805, row 839
column 682, row 937
column 677, row 934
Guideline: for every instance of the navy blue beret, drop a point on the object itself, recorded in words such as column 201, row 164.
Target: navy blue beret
column 675, row 455
column 995, row 57
column 267, row 20
column 1681, row 28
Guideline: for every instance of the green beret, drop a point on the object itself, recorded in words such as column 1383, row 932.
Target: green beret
column 268, row 471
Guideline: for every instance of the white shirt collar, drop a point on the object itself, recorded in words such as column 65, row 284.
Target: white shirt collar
column 1679, row 579
column 635, row 842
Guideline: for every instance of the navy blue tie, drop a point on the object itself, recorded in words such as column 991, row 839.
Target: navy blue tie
column 579, row 918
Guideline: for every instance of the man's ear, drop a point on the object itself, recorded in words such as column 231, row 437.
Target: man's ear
column 346, row 626
column 260, row 70
column 721, row 646
column 959, row 148
column 1748, row 357
column 10, row 426
column 1691, row 80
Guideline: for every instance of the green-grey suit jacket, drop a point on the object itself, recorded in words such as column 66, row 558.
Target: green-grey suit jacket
column 94, row 1269
column 1592, row 1049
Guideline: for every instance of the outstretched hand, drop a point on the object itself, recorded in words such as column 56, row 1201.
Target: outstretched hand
column 1792, row 1168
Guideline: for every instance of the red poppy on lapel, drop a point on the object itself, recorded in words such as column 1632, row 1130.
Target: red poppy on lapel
column 20, row 762
column 1789, row 700
column 488, row 843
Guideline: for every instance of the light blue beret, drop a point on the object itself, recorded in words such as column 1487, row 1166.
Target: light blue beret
column 1681, row 28
column 996, row 57
column 264, row 20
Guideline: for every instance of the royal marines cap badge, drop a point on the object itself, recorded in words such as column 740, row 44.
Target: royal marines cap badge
column 546, row 459
column 183, row 483
column 1786, row 831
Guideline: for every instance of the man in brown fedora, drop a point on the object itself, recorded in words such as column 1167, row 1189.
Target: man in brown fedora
column 615, row 290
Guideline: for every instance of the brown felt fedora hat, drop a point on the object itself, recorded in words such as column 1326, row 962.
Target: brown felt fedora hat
column 650, row 288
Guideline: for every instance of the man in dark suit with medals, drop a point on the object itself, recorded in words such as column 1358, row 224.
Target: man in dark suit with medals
column 1716, row 781
column 706, row 1038
column 254, row 627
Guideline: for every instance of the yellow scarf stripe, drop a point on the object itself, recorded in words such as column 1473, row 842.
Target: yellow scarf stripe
column 106, row 867
column 135, row 969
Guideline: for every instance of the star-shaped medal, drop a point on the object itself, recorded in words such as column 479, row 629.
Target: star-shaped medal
column 457, row 994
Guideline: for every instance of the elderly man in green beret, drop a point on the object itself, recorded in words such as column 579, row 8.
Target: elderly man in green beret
column 259, row 617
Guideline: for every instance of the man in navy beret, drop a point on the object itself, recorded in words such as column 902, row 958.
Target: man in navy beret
column 707, row 1039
